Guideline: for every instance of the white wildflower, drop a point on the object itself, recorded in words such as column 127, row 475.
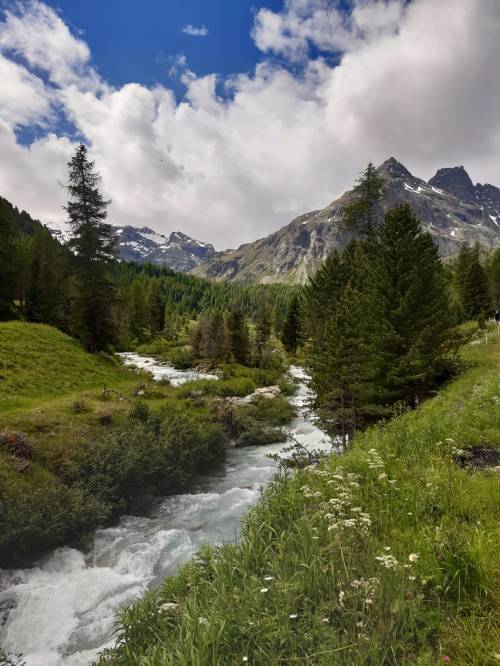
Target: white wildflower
column 292, row 616
column 202, row 620
column 268, row 577
column 413, row 557
column 169, row 607
column 263, row 590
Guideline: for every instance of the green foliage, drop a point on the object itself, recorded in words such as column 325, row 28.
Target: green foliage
column 7, row 261
column 385, row 555
column 93, row 243
column 418, row 341
column 291, row 335
column 359, row 216
column 380, row 328
column 257, row 423
column 238, row 335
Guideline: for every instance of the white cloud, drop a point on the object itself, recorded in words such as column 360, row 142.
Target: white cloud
column 324, row 25
column 191, row 30
column 418, row 82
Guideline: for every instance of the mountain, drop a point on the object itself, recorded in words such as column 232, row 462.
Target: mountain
column 449, row 205
column 178, row 251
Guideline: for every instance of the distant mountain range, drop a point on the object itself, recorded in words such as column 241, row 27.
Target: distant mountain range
column 178, row 251
column 449, row 205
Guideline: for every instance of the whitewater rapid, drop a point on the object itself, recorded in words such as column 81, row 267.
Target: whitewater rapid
column 62, row 612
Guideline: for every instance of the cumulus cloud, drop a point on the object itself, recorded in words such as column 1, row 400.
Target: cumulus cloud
column 191, row 30
column 415, row 80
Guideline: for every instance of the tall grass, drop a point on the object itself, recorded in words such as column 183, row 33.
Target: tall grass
column 388, row 554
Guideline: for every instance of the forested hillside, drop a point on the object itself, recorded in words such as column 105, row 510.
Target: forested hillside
column 37, row 283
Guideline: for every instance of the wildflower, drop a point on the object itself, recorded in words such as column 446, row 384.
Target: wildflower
column 326, row 620
column 382, row 476
column 356, row 509
column 412, row 578
column 446, row 659
column 315, row 538
column 317, row 493
column 387, row 548
column 413, row 557
column 263, row 590
column 268, row 577
column 387, row 561
column 169, row 607
column 202, row 620
column 292, row 616
column 392, row 481
column 245, row 659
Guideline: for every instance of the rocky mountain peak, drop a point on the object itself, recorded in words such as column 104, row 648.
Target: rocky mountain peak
column 456, row 181
column 394, row 169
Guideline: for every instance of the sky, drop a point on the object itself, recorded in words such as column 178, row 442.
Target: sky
column 225, row 119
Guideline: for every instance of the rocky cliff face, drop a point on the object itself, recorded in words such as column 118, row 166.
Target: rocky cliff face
column 450, row 207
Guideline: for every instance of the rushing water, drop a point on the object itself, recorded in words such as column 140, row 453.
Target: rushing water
column 62, row 611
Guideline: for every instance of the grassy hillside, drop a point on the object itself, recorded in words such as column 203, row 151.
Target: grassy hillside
column 385, row 555
column 38, row 362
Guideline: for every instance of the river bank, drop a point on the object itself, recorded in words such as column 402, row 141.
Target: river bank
column 72, row 596
column 385, row 555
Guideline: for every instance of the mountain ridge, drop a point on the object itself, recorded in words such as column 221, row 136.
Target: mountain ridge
column 446, row 205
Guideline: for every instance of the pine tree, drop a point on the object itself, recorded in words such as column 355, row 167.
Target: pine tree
column 93, row 243
column 360, row 216
column 417, row 339
column 343, row 366
column 7, row 263
column 263, row 328
column 138, row 311
column 44, row 294
column 155, row 306
column 291, row 336
column 475, row 295
column 238, row 335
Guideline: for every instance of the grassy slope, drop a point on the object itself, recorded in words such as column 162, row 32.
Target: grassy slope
column 295, row 591
column 38, row 362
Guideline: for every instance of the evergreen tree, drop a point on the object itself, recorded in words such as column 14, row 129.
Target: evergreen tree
column 138, row 311
column 475, row 296
column 238, row 335
column 343, row 366
column 93, row 243
column 7, row 263
column 360, row 216
column 417, row 339
column 44, row 293
column 263, row 328
column 493, row 273
column 156, row 306
column 291, row 335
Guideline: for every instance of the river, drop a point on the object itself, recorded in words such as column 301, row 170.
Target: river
column 62, row 611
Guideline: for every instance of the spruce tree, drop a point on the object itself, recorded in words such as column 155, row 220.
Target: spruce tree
column 291, row 336
column 343, row 366
column 7, row 263
column 155, row 306
column 238, row 335
column 417, row 339
column 360, row 216
column 93, row 243
column 263, row 328
column 475, row 292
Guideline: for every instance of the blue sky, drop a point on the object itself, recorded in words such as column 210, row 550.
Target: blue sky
column 274, row 112
column 132, row 40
